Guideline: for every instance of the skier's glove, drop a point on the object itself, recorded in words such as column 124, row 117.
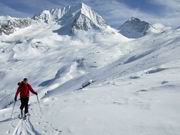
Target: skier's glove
column 36, row 93
column 15, row 98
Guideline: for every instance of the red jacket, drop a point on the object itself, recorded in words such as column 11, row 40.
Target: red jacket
column 24, row 89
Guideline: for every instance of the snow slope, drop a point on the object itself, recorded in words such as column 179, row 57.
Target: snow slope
column 93, row 83
column 136, row 94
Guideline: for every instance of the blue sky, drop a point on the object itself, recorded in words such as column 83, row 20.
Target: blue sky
column 18, row 5
column 114, row 11
column 27, row 7
column 144, row 6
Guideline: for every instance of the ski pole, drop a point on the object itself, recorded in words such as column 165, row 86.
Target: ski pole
column 13, row 109
column 39, row 103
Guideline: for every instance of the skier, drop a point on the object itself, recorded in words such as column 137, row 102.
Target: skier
column 23, row 88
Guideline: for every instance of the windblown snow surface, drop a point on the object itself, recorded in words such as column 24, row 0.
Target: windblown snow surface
column 93, row 83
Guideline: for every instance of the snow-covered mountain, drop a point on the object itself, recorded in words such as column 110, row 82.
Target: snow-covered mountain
column 70, row 19
column 51, row 16
column 9, row 24
column 73, row 18
column 134, row 28
column 90, row 83
column 81, row 17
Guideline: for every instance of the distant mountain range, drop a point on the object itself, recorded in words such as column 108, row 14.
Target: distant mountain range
column 74, row 18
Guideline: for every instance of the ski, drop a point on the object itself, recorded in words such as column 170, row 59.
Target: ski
column 23, row 117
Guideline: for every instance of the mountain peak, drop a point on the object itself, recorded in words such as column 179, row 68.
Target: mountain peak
column 72, row 18
column 80, row 17
column 81, row 5
column 134, row 28
column 84, row 7
column 57, row 13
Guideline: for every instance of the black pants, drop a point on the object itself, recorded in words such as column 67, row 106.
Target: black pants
column 24, row 104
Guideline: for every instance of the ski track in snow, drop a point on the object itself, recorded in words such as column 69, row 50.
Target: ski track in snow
column 25, row 127
column 33, row 125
